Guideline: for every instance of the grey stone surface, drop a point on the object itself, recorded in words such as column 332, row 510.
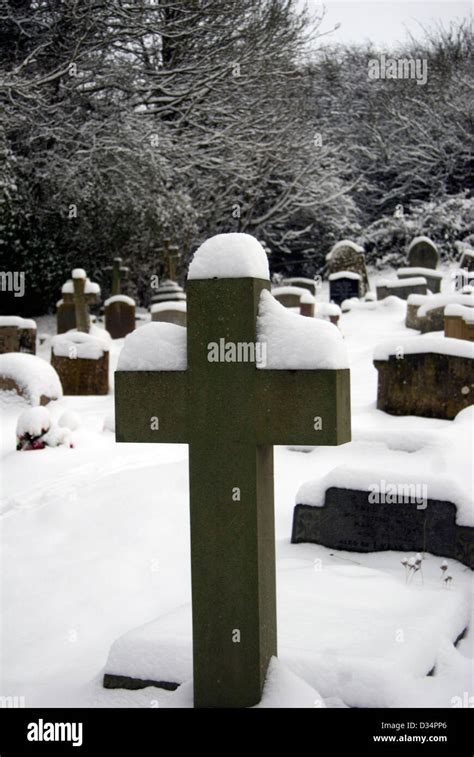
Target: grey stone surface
column 348, row 258
column 423, row 253
column 349, row 521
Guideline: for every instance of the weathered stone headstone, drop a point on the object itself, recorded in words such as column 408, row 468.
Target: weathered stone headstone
column 289, row 296
column 402, row 288
column 231, row 414
column 459, row 322
column 423, row 253
column 119, row 315
column 66, row 307
column 354, row 520
column 17, row 334
column 433, row 278
column 344, row 285
column 82, row 363
column 348, row 256
column 429, row 376
column 118, row 270
column 169, row 312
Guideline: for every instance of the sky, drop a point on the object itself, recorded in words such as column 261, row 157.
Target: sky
column 385, row 21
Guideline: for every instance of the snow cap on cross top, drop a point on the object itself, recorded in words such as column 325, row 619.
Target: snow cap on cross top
column 230, row 256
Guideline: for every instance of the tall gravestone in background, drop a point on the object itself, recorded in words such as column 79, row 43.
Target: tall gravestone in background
column 119, row 309
column 348, row 256
column 17, row 334
column 423, row 253
column 231, row 414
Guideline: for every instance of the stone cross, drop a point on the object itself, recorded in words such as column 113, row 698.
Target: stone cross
column 231, row 414
column 171, row 254
column 117, row 271
column 81, row 306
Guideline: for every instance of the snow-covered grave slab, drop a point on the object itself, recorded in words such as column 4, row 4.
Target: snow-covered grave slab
column 246, row 374
column 344, row 285
column 390, row 636
column 433, row 278
column 17, row 334
column 82, row 362
column 423, row 253
column 402, row 288
column 368, row 511
column 169, row 312
column 426, row 375
column 30, row 377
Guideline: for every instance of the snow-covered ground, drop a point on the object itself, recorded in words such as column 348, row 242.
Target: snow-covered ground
column 95, row 542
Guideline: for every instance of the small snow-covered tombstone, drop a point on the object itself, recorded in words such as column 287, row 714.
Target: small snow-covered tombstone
column 78, row 294
column 423, row 253
column 35, row 430
column 466, row 262
column 430, row 314
column 30, row 377
column 118, row 271
column 402, row 288
column 82, row 362
column 119, row 315
column 433, row 278
column 302, row 282
column 348, row 256
column 426, row 375
column 169, row 312
column 289, row 296
column 17, row 334
column 231, row 411
column 344, row 285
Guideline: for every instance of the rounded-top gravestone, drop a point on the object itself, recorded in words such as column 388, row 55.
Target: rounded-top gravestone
column 423, row 253
column 349, row 256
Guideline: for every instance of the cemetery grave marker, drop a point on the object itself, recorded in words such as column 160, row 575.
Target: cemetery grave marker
column 307, row 303
column 169, row 312
column 427, row 314
column 467, row 260
column 300, row 281
column 423, row 253
column 459, row 322
column 289, row 296
column 82, row 363
column 373, row 517
column 66, row 307
column 119, row 315
column 118, row 270
column 30, row 377
column 433, row 278
column 168, row 291
column 348, row 256
column 231, row 414
column 402, row 289
column 427, row 375
column 170, row 254
column 343, row 285
column 17, row 334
